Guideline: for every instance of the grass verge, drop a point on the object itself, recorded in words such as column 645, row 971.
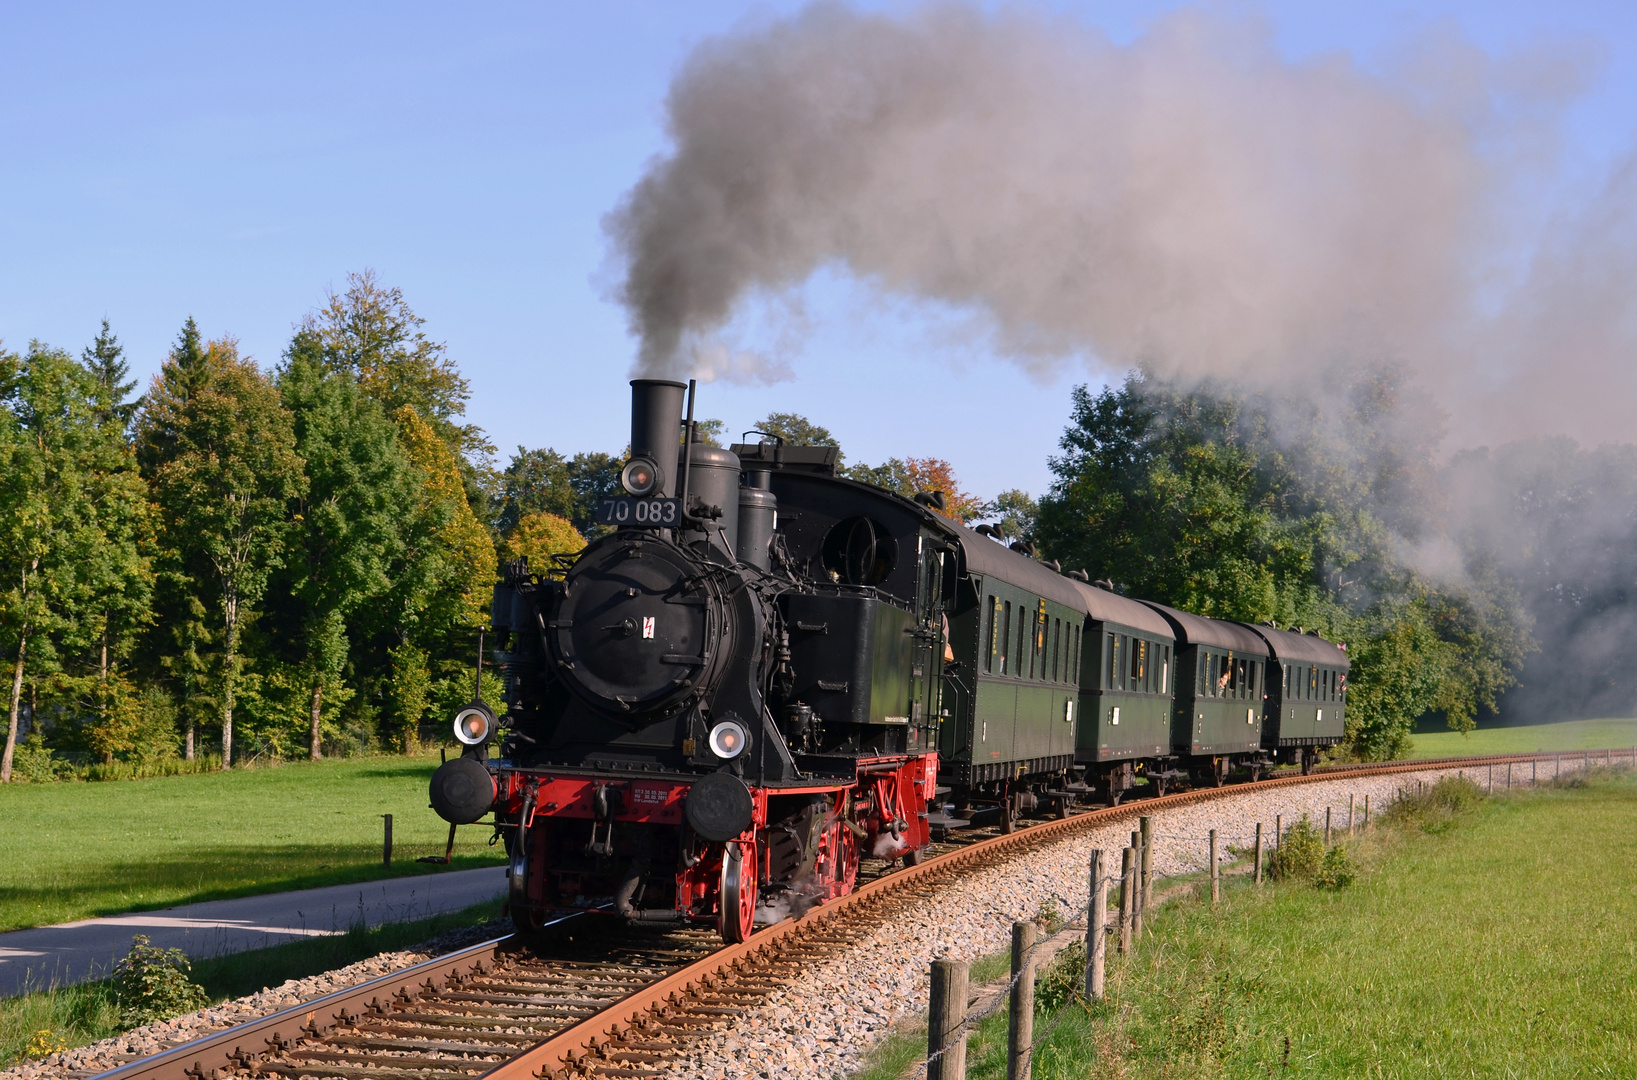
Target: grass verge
column 1481, row 937
column 1611, row 733
column 37, row 1024
column 72, row 851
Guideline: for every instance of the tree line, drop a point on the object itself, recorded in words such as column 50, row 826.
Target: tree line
column 296, row 561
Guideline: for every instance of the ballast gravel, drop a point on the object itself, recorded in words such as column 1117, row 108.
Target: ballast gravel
column 823, row 1025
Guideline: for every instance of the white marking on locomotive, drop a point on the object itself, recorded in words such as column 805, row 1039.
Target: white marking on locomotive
column 647, row 626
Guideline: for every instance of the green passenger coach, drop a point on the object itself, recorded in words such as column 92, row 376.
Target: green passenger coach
column 1221, row 680
column 1011, row 693
column 1306, row 697
column 1127, row 671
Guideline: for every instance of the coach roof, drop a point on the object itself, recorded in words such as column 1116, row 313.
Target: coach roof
column 1307, row 648
column 1198, row 630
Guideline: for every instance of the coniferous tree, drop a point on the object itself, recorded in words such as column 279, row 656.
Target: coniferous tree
column 104, row 358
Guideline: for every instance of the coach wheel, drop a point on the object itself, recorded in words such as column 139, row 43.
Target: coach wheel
column 917, row 856
column 1219, row 770
column 1308, row 755
column 1160, row 784
column 1063, row 805
column 736, row 906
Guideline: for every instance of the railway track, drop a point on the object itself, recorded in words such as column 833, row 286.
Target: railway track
column 605, row 1000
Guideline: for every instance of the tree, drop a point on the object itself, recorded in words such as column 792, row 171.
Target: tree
column 543, row 481
column 218, row 448
column 71, row 509
column 104, row 358
column 372, row 332
column 1014, row 513
column 796, row 430
column 442, row 588
column 345, row 537
column 1244, row 506
column 539, row 536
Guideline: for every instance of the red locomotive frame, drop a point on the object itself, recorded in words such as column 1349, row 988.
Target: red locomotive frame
column 880, row 812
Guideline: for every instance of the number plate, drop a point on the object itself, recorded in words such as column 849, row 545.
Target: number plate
column 639, row 513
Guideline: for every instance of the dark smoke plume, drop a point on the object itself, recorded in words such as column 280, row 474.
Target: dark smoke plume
column 1191, row 202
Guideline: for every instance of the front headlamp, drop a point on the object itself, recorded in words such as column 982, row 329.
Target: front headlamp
column 474, row 724
column 728, row 740
column 640, row 477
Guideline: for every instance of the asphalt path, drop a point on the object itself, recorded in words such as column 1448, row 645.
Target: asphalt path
column 88, row 949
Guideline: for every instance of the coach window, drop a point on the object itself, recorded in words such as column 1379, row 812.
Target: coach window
column 1074, row 657
column 1024, row 618
column 1204, row 678
column 1005, row 636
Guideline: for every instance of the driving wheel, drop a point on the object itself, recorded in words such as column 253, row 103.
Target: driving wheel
column 736, row 906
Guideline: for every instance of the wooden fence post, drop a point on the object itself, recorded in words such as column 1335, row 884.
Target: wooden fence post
column 1128, row 859
column 1146, row 825
column 1136, row 886
column 1020, row 1025
column 1366, row 810
column 1508, row 776
column 945, row 1017
column 1327, row 826
column 386, row 841
column 1216, row 876
column 1350, row 815
column 1097, row 927
column 1258, row 853
column 1278, row 832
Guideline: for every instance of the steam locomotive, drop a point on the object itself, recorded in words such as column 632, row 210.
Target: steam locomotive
column 765, row 672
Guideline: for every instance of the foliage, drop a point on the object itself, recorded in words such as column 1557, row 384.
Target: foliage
column 1014, row 513
column 796, row 430
column 451, row 560
column 1337, row 871
column 218, row 448
column 73, row 515
column 371, row 332
column 152, row 984
column 1250, row 507
column 1299, row 853
column 1433, row 808
column 544, row 481
column 538, row 537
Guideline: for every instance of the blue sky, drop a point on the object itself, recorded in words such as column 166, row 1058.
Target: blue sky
column 233, row 161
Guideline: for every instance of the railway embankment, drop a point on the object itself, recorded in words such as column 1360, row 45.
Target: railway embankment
column 825, row 1024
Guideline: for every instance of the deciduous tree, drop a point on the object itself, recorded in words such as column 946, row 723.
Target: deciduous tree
column 218, row 448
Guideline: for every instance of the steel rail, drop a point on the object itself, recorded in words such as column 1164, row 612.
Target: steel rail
column 235, row 1049
column 225, row 1048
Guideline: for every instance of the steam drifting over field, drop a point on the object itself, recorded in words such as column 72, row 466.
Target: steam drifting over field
column 1191, row 201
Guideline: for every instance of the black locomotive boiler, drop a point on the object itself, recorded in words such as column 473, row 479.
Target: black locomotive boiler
column 764, row 672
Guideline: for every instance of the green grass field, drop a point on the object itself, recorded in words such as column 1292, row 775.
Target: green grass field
column 1614, row 733
column 1503, row 943
column 74, row 850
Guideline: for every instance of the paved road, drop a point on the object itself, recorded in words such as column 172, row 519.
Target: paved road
column 88, row 949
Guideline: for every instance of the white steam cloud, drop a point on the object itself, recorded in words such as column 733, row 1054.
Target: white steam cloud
column 1192, row 201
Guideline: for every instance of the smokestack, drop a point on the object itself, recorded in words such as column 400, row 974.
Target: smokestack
column 656, row 427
